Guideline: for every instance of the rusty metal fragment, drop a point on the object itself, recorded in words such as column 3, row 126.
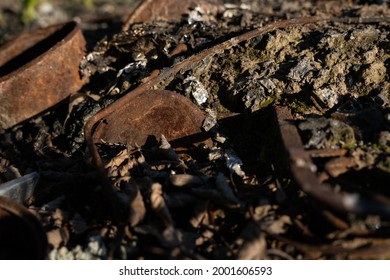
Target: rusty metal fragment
column 304, row 172
column 38, row 70
column 21, row 234
column 151, row 113
column 162, row 10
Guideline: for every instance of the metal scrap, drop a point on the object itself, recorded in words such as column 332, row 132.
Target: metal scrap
column 39, row 68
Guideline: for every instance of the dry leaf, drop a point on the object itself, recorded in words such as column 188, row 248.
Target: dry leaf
column 59, row 217
column 276, row 226
column 199, row 213
column 137, row 209
column 158, row 204
column 167, row 151
column 225, row 189
column 181, row 180
column 253, row 242
column 118, row 159
column 58, row 237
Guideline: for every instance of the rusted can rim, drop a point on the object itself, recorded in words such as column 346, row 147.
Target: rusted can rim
column 303, row 171
column 39, row 69
column 22, row 234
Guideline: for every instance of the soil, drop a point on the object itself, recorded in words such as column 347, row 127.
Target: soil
column 234, row 196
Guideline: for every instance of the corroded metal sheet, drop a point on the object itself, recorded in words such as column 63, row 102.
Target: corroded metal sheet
column 152, row 113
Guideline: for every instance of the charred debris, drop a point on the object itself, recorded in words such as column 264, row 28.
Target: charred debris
column 283, row 148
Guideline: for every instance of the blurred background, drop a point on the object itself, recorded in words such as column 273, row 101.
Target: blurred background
column 108, row 15
column 24, row 15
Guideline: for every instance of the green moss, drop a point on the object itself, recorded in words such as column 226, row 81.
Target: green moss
column 298, row 106
column 28, row 13
column 267, row 102
column 342, row 135
column 88, row 4
column 254, row 55
column 221, row 109
column 215, row 89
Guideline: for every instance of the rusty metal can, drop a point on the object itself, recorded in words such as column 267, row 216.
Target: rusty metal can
column 38, row 70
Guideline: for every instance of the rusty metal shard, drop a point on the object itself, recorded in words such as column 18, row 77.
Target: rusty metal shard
column 152, row 113
column 164, row 10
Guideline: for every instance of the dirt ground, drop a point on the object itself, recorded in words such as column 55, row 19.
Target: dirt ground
column 283, row 88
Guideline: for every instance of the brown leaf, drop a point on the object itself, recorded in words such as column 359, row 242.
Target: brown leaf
column 181, row 180
column 167, row 151
column 158, row 204
column 225, row 189
column 118, row 159
column 253, row 244
column 137, row 209
column 58, row 237
column 199, row 214
column 276, row 225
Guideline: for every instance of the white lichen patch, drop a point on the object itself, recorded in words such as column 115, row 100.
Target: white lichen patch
column 195, row 88
column 328, row 96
